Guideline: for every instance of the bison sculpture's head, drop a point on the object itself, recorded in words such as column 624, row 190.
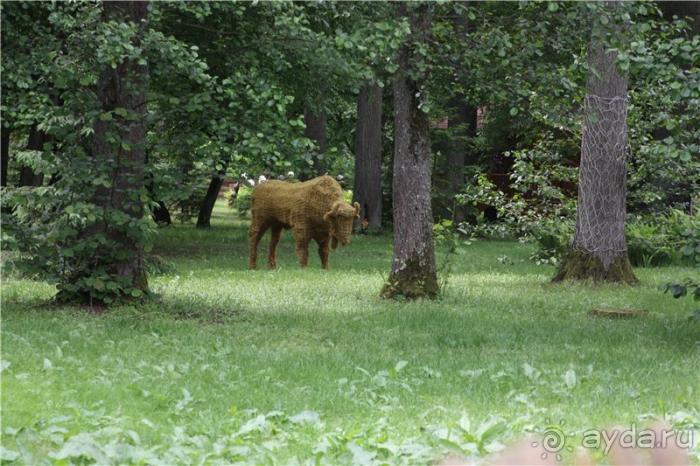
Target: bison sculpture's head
column 340, row 218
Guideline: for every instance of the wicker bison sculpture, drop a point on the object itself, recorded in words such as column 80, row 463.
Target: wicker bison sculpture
column 313, row 209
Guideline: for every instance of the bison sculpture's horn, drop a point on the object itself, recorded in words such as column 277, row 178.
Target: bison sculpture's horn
column 333, row 211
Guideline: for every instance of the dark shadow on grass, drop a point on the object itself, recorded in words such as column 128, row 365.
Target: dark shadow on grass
column 194, row 309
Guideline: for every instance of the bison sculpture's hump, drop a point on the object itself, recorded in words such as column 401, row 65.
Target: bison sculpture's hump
column 310, row 198
column 323, row 186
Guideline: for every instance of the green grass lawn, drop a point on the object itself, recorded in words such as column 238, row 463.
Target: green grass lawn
column 295, row 365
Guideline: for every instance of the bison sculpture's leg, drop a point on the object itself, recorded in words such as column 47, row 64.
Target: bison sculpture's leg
column 254, row 234
column 302, row 239
column 276, row 233
column 323, row 251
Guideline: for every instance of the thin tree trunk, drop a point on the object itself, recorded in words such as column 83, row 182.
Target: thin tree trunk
column 598, row 250
column 207, row 205
column 683, row 9
column 367, row 190
column 35, row 142
column 123, row 87
column 464, row 121
column 161, row 214
column 413, row 273
column 462, row 124
column 316, row 131
column 5, row 154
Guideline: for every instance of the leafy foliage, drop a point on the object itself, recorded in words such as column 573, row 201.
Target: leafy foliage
column 62, row 229
column 664, row 239
column 680, row 289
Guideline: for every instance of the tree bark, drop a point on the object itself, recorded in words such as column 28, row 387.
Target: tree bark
column 464, row 121
column 598, row 250
column 161, row 214
column 462, row 124
column 207, row 205
column 316, row 131
column 35, row 142
column 683, row 9
column 413, row 273
column 123, row 87
column 367, row 189
column 4, row 154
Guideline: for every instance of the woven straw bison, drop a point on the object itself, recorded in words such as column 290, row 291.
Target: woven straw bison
column 313, row 209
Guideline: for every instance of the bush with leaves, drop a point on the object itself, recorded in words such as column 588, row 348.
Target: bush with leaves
column 680, row 289
column 450, row 240
column 664, row 239
column 87, row 230
column 652, row 240
column 243, row 200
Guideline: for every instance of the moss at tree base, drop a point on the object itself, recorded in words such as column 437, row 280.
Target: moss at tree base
column 411, row 282
column 583, row 265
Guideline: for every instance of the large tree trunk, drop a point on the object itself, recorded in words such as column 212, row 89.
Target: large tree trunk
column 367, row 190
column 35, row 142
column 123, row 87
column 4, row 154
column 598, row 250
column 207, row 205
column 316, row 131
column 413, row 272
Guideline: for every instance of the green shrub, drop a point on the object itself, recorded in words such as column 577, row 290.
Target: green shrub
column 230, row 199
column 680, row 289
column 552, row 238
column 673, row 238
column 683, row 231
column 647, row 246
column 243, row 200
column 188, row 204
column 652, row 241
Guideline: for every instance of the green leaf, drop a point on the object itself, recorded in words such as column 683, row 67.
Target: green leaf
column 514, row 111
column 8, row 455
column 400, row 365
